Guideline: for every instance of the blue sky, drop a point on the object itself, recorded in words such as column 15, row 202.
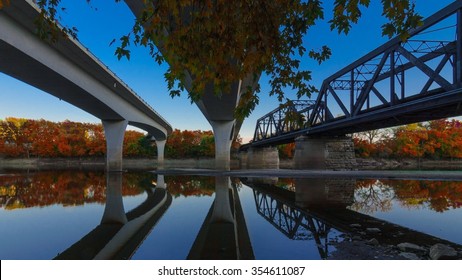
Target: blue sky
column 103, row 21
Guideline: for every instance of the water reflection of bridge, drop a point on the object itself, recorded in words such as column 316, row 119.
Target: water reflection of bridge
column 120, row 234
column 224, row 233
column 282, row 208
column 292, row 222
column 318, row 207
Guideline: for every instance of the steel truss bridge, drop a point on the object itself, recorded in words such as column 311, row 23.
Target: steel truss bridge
column 397, row 83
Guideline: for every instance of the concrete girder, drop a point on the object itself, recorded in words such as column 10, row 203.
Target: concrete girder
column 70, row 72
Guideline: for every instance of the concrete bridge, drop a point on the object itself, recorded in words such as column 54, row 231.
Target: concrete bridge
column 398, row 83
column 67, row 70
column 218, row 110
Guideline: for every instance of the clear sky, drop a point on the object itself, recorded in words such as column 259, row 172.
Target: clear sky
column 104, row 20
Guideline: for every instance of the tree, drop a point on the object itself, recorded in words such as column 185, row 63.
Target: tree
column 15, row 137
column 190, row 144
column 130, row 144
column 372, row 135
column 219, row 42
column 286, row 151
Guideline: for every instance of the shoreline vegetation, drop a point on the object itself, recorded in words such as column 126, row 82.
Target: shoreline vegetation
column 41, row 145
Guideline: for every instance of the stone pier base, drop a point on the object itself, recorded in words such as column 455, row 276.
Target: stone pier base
column 334, row 153
column 262, row 158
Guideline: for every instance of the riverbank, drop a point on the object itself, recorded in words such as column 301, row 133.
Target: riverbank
column 393, row 164
column 100, row 163
column 407, row 164
column 209, row 163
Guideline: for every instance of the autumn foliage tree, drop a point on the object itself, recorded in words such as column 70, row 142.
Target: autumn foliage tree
column 286, row 151
column 437, row 139
column 190, row 144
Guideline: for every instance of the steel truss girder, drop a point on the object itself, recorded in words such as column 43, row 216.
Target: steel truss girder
column 360, row 80
column 284, row 119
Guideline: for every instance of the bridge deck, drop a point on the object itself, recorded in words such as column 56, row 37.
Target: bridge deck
column 69, row 71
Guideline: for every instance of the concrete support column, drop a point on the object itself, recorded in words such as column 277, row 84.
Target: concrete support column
column 266, row 157
column 114, row 211
column 222, row 207
column 160, row 144
column 114, row 132
column 336, row 153
column 160, row 182
column 222, row 131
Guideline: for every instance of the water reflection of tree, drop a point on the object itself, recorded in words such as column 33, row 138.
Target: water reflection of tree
column 372, row 196
column 190, row 185
column 286, row 183
column 377, row 195
column 439, row 196
column 67, row 188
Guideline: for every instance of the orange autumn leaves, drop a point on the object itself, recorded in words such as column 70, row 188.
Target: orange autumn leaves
column 438, row 139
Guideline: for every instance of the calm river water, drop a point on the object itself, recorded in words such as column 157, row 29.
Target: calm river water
column 73, row 214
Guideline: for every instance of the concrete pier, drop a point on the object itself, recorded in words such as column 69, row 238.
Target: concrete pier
column 114, row 132
column 160, row 144
column 222, row 130
column 262, row 158
column 334, row 153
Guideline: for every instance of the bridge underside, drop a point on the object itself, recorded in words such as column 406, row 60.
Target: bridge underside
column 433, row 107
column 14, row 63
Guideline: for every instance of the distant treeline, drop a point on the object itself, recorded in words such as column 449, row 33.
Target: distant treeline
column 41, row 138
column 26, row 138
